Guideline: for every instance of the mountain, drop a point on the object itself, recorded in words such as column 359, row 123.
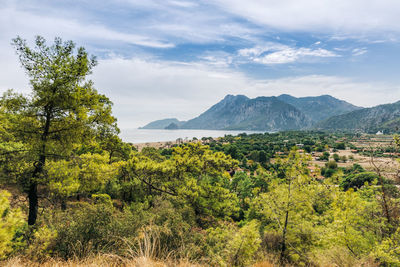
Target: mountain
column 241, row 113
column 162, row 124
column 319, row 108
column 383, row 117
column 284, row 112
column 172, row 126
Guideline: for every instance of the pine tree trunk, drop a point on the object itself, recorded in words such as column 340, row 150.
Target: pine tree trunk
column 33, row 203
column 33, row 186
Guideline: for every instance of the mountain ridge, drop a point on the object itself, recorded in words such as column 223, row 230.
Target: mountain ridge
column 269, row 113
column 319, row 108
column 242, row 113
column 286, row 112
column 384, row 117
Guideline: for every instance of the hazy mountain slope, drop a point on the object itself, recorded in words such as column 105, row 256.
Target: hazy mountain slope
column 383, row 117
column 161, row 124
column 319, row 108
column 241, row 113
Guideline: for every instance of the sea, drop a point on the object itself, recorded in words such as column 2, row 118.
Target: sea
column 137, row 136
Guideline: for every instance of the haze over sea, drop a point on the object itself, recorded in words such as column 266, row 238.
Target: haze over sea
column 137, row 136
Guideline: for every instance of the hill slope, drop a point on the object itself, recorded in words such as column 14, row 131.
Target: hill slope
column 383, row 117
column 162, row 124
column 241, row 113
column 319, row 108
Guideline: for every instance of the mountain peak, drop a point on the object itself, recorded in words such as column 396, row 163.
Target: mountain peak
column 320, row 107
column 270, row 113
column 234, row 97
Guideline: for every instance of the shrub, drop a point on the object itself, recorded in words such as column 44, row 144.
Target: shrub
column 42, row 244
column 230, row 246
column 357, row 180
column 331, row 165
column 10, row 221
column 87, row 229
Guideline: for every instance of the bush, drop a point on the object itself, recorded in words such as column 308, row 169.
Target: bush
column 42, row 244
column 230, row 246
column 336, row 157
column 88, row 229
column 357, row 180
column 139, row 230
column 325, row 156
column 388, row 252
column 10, row 222
column 331, row 165
column 340, row 146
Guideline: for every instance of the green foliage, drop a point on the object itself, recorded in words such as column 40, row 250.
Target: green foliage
column 43, row 243
column 88, row 229
column 193, row 176
column 292, row 208
column 62, row 113
column 60, row 145
column 10, row 221
column 356, row 220
column 229, row 246
column 336, row 157
column 357, row 180
column 340, row 145
column 388, row 251
column 325, row 156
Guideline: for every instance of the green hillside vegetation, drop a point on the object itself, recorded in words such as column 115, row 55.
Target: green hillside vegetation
column 370, row 120
column 242, row 113
column 73, row 193
column 319, row 108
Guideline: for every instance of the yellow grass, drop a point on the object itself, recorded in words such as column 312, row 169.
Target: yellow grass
column 100, row 260
column 108, row 261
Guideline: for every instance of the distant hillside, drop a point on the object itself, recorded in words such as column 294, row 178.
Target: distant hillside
column 284, row 112
column 162, row 124
column 241, row 113
column 383, row 117
column 319, row 108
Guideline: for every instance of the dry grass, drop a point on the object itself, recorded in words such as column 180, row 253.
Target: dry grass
column 109, row 261
column 100, row 260
column 264, row 264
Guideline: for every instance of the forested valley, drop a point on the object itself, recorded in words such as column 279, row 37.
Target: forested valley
column 73, row 193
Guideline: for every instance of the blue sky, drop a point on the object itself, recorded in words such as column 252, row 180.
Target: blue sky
column 175, row 58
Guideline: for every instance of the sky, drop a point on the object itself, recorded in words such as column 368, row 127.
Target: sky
column 176, row 58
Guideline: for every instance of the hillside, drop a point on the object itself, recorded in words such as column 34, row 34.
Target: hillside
column 241, row 113
column 383, row 117
column 284, row 112
column 319, row 108
column 162, row 124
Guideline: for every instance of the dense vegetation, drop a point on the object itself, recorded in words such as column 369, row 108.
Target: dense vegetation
column 233, row 202
column 380, row 118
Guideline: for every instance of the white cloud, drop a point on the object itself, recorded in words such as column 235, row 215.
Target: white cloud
column 355, row 16
column 185, row 4
column 145, row 89
column 275, row 53
column 359, row 51
column 260, row 49
column 290, row 55
column 148, row 89
column 11, row 24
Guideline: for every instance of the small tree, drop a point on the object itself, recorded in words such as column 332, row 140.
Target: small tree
column 62, row 111
column 336, row 157
column 325, row 156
